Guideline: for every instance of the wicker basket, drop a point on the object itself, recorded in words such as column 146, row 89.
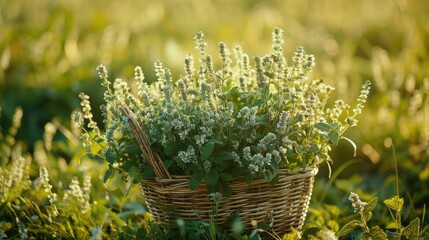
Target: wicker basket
column 167, row 197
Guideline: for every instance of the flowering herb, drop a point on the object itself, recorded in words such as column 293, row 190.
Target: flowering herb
column 220, row 121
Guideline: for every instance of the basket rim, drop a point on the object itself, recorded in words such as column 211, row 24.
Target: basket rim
column 308, row 171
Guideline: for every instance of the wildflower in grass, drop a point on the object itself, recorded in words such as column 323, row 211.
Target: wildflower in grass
column 75, row 192
column 326, row 234
column 357, row 204
column 86, row 109
column 16, row 121
column 22, row 230
column 86, row 189
column 96, row 233
column 78, row 119
column 40, row 155
column 44, row 179
column 362, row 97
column 3, row 187
column 416, row 101
column 48, row 135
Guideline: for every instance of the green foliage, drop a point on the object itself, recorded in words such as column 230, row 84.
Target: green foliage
column 43, row 66
column 265, row 117
column 46, row 196
column 364, row 209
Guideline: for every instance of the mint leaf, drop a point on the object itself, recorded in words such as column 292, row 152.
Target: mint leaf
column 196, row 179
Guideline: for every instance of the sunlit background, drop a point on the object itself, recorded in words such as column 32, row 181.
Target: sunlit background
column 49, row 50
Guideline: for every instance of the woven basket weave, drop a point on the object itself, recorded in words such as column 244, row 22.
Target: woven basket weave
column 167, row 197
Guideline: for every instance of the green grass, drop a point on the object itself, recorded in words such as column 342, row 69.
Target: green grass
column 49, row 51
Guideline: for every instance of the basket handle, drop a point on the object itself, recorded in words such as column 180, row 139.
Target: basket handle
column 150, row 156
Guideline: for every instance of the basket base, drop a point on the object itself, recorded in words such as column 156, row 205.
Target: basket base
column 285, row 203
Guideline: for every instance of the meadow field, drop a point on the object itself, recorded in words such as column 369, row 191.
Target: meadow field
column 52, row 187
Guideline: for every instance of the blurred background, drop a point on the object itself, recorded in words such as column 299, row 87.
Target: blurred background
column 49, row 50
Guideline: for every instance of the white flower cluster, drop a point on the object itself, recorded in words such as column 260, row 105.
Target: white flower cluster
column 44, row 179
column 81, row 195
column 256, row 162
column 187, row 156
column 357, row 204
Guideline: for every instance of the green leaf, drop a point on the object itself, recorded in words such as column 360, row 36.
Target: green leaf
column 393, row 225
column 275, row 179
column 168, row 149
column 113, row 216
column 350, row 226
column 412, row 230
column 207, row 151
column 268, row 175
column 299, row 149
column 313, row 149
column 224, row 156
column 167, row 164
column 147, row 172
column 196, row 179
column 107, row 174
column 334, row 137
column 274, row 165
column 110, row 156
column 226, row 189
column 212, row 179
column 3, row 207
column 131, row 149
column 230, row 92
column 323, row 126
column 371, row 205
column 353, row 145
column 263, row 120
column 395, row 203
column 225, row 176
column 374, row 233
column 268, row 74
column 248, row 177
column 114, row 181
column 259, row 102
column 135, row 175
column 425, row 231
column 95, row 148
column 367, row 214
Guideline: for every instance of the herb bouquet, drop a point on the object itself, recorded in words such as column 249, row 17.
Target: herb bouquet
column 253, row 129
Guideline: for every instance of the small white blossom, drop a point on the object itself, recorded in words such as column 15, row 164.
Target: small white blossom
column 200, row 139
column 187, row 156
